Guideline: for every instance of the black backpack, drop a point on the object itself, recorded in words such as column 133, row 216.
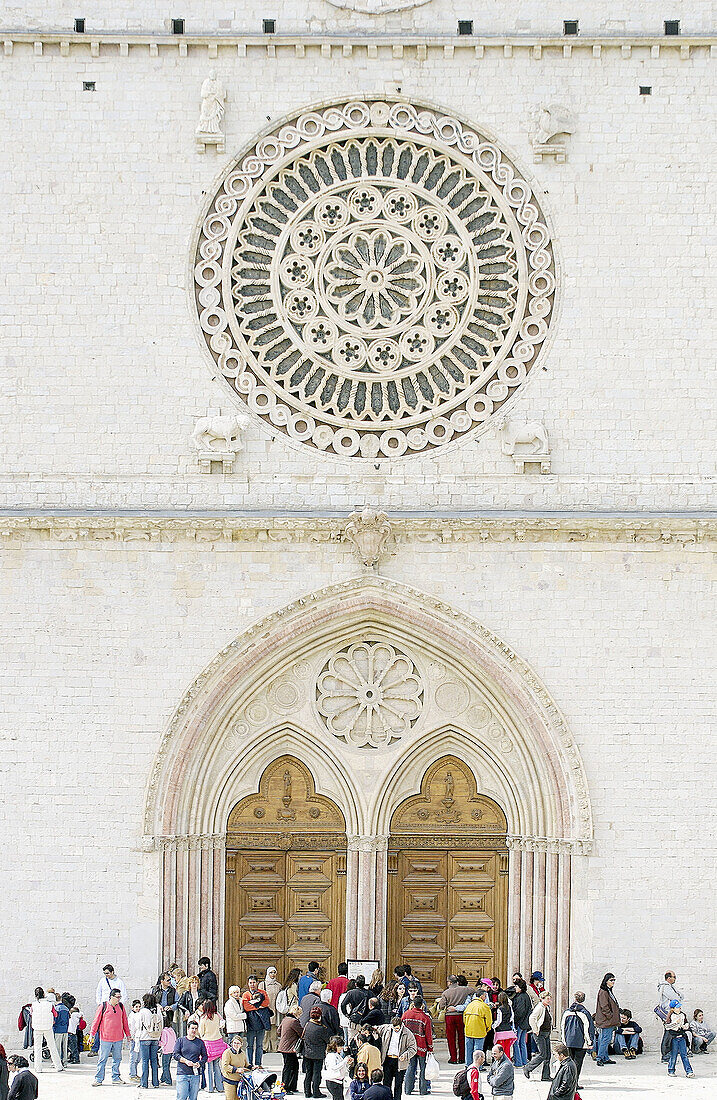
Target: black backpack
column 460, row 1083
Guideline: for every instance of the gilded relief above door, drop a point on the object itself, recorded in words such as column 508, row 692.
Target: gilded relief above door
column 447, row 867
column 286, row 876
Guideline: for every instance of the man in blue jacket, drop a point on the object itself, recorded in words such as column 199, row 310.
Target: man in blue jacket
column 306, row 980
column 578, row 1031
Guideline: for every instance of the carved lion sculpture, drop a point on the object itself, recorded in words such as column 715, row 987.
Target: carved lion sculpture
column 219, row 433
column 530, row 434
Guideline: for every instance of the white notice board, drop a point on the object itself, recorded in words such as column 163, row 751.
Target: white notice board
column 362, row 966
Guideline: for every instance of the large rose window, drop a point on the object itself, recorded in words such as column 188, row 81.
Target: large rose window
column 374, row 279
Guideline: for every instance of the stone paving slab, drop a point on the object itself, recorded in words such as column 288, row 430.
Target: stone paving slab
column 643, row 1079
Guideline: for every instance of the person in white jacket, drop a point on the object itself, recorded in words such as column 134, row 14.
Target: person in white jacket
column 337, row 1068
column 107, row 983
column 234, row 1014
column 42, row 1020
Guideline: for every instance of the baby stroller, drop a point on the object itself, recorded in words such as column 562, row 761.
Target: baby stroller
column 260, row 1084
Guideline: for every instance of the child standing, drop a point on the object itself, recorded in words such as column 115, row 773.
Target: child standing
column 73, row 1049
column 676, row 1024
column 134, row 1053
column 337, row 1067
column 166, row 1045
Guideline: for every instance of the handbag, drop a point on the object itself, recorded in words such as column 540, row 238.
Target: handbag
column 438, row 1014
column 661, row 1012
column 432, row 1070
column 299, row 1046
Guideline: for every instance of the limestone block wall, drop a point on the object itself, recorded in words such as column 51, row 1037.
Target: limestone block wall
column 102, row 641
column 103, row 377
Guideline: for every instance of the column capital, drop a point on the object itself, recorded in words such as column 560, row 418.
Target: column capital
column 550, row 844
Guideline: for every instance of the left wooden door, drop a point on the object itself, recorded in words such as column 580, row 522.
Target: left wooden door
column 283, row 909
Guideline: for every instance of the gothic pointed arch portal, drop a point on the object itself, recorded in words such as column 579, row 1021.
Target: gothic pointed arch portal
column 285, row 875
column 448, row 879
column 367, row 685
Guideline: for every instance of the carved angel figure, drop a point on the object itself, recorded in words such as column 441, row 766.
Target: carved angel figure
column 212, row 109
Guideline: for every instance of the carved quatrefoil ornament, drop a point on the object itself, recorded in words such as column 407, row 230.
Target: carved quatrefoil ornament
column 373, row 278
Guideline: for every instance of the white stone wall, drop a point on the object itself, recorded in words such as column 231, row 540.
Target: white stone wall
column 102, row 378
column 101, row 644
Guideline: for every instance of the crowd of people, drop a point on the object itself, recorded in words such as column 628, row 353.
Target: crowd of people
column 366, row 1038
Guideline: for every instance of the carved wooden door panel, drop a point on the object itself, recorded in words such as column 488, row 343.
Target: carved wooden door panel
column 417, row 914
column 285, row 877
column 476, row 911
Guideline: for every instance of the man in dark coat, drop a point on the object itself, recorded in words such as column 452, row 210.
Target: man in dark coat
column 24, row 1085
column 208, row 984
column 565, row 1082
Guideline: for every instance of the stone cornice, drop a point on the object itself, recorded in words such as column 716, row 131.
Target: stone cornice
column 342, row 45
column 571, row 529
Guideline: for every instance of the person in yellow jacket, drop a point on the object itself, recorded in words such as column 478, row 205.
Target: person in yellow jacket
column 477, row 1022
column 233, row 1065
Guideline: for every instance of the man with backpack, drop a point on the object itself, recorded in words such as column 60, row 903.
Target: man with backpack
column 112, row 1026
column 578, row 1031
column 353, row 1005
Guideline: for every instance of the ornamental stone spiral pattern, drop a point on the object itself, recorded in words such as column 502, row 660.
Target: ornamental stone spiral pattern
column 373, row 279
column 369, row 693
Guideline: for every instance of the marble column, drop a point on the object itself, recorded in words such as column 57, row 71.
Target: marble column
column 366, row 902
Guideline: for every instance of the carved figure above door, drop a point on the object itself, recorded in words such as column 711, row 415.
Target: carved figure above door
column 286, row 800
column 448, row 796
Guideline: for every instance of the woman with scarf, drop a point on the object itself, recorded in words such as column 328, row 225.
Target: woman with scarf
column 607, row 1018
column 272, row 988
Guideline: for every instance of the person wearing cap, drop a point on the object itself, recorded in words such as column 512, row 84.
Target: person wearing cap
column 234, row 1014
column 452, row 1000
column 676, row 1024
column 536, row 987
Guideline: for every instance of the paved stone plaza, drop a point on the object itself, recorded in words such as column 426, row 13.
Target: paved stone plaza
column 642, row 1079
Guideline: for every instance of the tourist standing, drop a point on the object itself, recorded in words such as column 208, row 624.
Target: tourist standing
column 505, row 1034
column 287, row 999
column 4, row 1074
column 316, row 1037
column 290, row 1031
column 501, row 1075
column 255, row 1003
column 73, row 1028
column 134, row 1051
column 477, row 1022
column 678, row 1028
column 25, row 1085
column 536, row 987
column 210, row 1031
column 607, row 1017
column 233, row 1064
column 451, row 1000
column 307, row 980
column 522, row 1007
column 190, row 1001
column 377, row 1090
column 42, row 1013
column 329, row 1015
column 398, row 1047
column 111, row 1027
column 419, row 1022
column 60, row 1029
column 272, row 987
column 165, row 994
column 190, row 1055
column 167, row 1040
column 107, row 983
column 234, row 1014
column 339, row 984
column 149, row 1032
column 473, row 1077
column 565, row 1081
column 667, row 992
column 578, row 1031
column 541, row 1024
column 310, row 1000
column 337, row 1067
column 208, row 984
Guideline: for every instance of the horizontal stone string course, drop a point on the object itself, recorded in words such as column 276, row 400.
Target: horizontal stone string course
column 271, row 45
column 149, row 533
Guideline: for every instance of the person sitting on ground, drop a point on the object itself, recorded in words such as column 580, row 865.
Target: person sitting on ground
column 702, row 1035
column 565, row 1081
column 676, row 1024
column 628, row 1034
column 377, row 1090
column 501, row 1075
column 25, row 1084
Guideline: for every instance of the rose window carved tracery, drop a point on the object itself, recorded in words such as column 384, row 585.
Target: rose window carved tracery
column 374, row 279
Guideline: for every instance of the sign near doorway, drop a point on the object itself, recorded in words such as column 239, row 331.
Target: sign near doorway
column 362, row 966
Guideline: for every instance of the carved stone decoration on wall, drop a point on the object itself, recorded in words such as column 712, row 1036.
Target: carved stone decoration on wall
column 369, row 693
column 527, row 444
column 218, row 439
column 551, row 127
column 368, row 532
column 448, row 797
column 286, row 798
column 377, row 7
column 373, row 278
column 211, row 113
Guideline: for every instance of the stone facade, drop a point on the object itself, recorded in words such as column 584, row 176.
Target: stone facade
column 128, row 567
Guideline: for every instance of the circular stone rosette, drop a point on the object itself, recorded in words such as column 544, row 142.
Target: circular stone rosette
column 373, row 278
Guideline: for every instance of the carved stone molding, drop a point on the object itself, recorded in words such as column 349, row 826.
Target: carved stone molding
column 369, row 533
column 145, row 531
column 190, row 842
column 367, row 843
column 555, row 845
